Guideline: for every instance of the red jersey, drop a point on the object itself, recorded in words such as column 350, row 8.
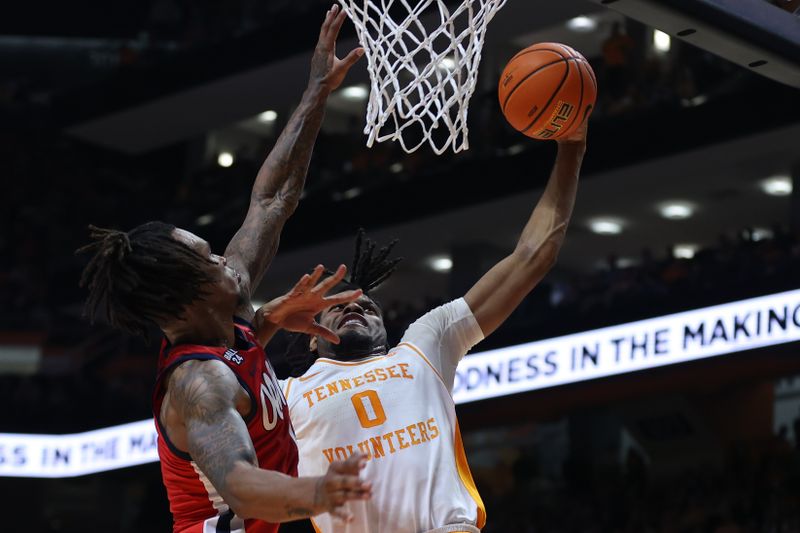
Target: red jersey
column 195, row 504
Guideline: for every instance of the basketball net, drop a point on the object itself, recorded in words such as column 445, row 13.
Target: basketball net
column 422, row 68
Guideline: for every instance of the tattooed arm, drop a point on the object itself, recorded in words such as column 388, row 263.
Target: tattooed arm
column 204, row 395
column 280, row 180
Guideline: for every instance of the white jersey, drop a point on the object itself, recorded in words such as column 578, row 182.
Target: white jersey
column 398, row 410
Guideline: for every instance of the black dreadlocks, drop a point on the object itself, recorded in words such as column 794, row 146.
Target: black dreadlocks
column 141, row 277
column 368, row 271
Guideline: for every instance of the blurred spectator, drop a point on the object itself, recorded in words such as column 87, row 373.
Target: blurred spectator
column 617, row 56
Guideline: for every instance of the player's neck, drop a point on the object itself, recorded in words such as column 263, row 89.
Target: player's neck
column 203, row 326
column 342, row 353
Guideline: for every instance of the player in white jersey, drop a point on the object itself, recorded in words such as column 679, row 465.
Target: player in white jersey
column 395, row 405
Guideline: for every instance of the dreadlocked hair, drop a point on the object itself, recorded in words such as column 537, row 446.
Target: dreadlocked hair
column 141, row 277
column 368, row 271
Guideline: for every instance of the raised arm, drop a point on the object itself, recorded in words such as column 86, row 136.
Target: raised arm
column 280, row 180
column 203, row 395
column 495, row 296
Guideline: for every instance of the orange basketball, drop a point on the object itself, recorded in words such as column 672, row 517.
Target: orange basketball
column 547, row 90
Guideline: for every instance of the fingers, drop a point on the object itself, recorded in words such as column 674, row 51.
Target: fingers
column 301, row 285
column 343, row 488
column 343, row 297
column 331, row 281
column 342, row 513
column 318, row 330
column 351, row 58
column 326, row 24
column 352, row 465
column 315, row 275
column 336, row 23
column 334, row 19
column 308, row 281
column 342, row 484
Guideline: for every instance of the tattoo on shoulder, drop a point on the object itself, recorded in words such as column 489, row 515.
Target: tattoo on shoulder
column 200, row 388
column 216, row 434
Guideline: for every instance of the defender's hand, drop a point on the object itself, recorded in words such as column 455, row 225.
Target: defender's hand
column 340, row 485
column 297, row 309
column 327, row 70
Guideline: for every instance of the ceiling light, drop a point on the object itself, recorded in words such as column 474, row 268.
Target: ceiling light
column 448, row 63
column 582, row 24
column 627, row 262
column 694, row 101
column 759, row 234
column 515, row 149
column 606, row 226
column 685, row 251
column 351, row 193
column 268, row 116
column 225, row 159
column 676, row 210
column 661, row 41
column 777, row 186
column 205, row 220
column 441, row 263
column 355, row 92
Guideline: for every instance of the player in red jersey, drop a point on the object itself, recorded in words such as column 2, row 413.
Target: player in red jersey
column 227, row 448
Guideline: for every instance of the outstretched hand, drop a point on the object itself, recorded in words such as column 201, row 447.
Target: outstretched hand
column 342, row 484
column 297, row 309
column 327, row 70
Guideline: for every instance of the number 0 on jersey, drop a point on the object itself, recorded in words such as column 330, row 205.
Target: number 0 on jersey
column 369, row 408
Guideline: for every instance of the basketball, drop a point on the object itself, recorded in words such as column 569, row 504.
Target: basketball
column 547, row 90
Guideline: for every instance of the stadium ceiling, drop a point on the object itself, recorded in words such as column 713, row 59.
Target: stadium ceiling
column 765, row 40
column 263, row 83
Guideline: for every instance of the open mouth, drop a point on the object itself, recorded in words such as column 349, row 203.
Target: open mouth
column 352, row 319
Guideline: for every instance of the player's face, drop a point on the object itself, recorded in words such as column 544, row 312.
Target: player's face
column 226, row 289
column 358, row 324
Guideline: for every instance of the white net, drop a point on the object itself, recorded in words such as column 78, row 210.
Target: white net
column 423, row 64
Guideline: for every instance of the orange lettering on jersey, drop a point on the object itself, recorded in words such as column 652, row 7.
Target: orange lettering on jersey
column 363, row 447
column 403, row 444
column 404, row 370
column 307, row 396
column 318, row 394
column 388, row 439
column 410, row 429
column 433, row 428
column 423, row 431
column 377, row 447
column 320, row 391
column 373, row 447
